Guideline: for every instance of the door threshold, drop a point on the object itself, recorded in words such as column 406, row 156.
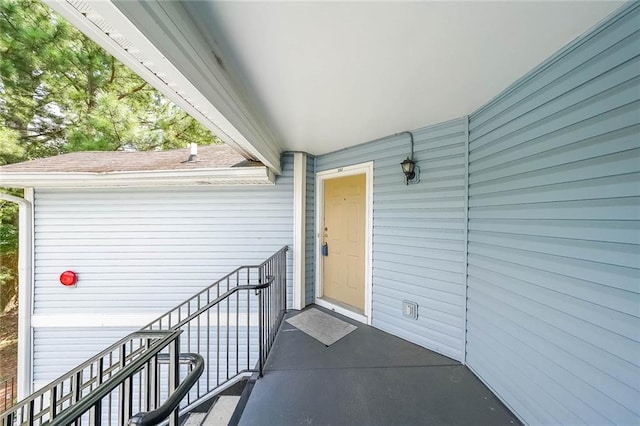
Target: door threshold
column 343, row 309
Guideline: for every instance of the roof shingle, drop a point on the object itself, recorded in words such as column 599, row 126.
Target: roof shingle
column 209, row 157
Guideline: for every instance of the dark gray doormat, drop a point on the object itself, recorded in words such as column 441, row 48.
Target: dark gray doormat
column 322, row 327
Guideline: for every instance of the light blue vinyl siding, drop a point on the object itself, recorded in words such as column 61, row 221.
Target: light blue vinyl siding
column 144, row 250
column 310, row 232
column 418, row 234
column 554, row 234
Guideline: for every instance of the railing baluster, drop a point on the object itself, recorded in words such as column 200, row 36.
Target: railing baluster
column 122, row 403
column 189, row 327
column 248, row 327
column 198, row 344
column 53, row 403
column 218, row 338
column 208, row 342
column 76, row 382
column 97, row 414
column 227, row 335
column 150, row 383
column 140, row 394
column 237, row 325
column 30, row 412
column 174, row 376
column 260, row 337
column 110, row 414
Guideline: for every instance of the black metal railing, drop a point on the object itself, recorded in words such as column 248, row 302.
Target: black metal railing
column 8, row 392
column 123, row 379
column 195, row 362
column 223, row 332
column 232, row 323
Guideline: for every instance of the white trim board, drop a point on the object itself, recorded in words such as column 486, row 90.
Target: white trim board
column 299, row 218
column 210, row 177
column 123, row 320
column 367, row 169
column 342, row 311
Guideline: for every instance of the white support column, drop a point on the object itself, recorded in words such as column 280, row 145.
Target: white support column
column 299, row 218
column 25, row 288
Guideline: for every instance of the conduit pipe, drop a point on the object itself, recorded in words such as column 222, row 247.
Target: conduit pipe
column 25, row 280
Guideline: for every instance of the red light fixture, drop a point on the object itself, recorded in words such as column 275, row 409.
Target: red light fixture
column 68, row 278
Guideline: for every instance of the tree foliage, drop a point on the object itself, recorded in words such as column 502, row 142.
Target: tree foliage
column 61, row 92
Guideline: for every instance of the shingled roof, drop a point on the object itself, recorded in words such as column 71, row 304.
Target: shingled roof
column 209, row 157
column 214, row 164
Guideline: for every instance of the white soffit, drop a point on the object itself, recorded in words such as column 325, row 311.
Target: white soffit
column 329, row 75
column 202, row 89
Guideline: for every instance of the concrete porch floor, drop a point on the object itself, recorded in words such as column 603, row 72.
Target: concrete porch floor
column 369, row 377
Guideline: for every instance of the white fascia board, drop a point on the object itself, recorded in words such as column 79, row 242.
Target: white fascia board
column 150, row 41
column 213, row 177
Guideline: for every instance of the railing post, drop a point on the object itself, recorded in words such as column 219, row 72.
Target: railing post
column 174, row 376
column 53, row 403
column 31, row 412
column 152, row 382
column 97, row 414
column 125, row 406
column 260, row 332
column 283, row 276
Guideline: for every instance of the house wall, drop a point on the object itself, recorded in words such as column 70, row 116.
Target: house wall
column 418, row 234
column 59, row 349
column 552, row 315
column 139, row 252
column 553, row 274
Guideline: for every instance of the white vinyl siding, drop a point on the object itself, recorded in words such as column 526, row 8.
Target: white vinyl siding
column 418, row 234
column 57, row 350
column 141, row 251
column 554, row 235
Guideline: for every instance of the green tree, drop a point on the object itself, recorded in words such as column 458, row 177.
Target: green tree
column 61, row 92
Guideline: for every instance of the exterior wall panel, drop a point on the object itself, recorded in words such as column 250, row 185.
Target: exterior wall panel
column 418, row 234
column 141, row 251
column 554, row 234
column 66, row 348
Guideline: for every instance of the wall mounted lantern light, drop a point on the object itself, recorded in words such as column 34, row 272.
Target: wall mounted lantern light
column 409, row 167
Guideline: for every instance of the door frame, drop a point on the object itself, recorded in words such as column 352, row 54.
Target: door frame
column 367, row 170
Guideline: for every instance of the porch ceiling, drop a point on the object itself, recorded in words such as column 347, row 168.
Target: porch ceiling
column 329, row 75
